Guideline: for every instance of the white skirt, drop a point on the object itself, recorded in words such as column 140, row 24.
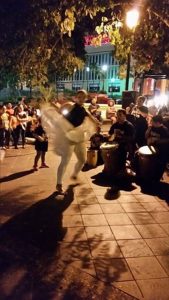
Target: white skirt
column 61, row 132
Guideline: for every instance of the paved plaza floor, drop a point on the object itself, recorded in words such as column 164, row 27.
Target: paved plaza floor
column 91, row 243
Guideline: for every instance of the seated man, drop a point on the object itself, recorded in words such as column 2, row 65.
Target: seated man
column 95, row 142
column 123, row 132
column 94, row 109
column 157, row 135
column 111, row 111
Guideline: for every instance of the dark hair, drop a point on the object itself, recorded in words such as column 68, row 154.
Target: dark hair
column 122, row 111
column 157, row 119
column 143, row 109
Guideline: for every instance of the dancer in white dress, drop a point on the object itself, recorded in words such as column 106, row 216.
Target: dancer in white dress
column 69, row 133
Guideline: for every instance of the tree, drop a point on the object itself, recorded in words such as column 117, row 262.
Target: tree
column 39, row 37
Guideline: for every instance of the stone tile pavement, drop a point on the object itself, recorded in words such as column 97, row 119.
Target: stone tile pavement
column 122, row 239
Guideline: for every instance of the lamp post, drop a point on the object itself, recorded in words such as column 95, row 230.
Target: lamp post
column 104, row 69
column 87, row 75
column 74, row 79
column 132, row 17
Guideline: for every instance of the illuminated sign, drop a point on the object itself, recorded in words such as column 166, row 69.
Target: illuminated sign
column 89, row 38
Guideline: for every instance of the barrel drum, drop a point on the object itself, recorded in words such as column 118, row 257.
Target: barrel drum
column 92, row 157
column 149, row 166
column 110, row 154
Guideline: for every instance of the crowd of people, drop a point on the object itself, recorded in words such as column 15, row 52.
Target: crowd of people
column 131, row 128
column 135, row 127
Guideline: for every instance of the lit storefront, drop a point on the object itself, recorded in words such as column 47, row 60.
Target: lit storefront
column 100, row 73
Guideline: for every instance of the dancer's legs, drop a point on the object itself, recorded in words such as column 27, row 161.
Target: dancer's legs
column 65, row 158
column 81, row 154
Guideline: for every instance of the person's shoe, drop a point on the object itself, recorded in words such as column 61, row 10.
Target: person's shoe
column 59, row 188
column 35, row 168
column 44, row 166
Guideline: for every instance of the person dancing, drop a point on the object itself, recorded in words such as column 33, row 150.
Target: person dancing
column 69, row 132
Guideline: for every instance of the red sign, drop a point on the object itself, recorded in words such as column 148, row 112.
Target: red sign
column 89, row 38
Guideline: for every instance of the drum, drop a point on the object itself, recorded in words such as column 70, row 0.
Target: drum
column 30, row 140
column 111, row 158
column 149, row 166
column 92, row 157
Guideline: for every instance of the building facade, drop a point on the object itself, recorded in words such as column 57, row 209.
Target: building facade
column 100, row 73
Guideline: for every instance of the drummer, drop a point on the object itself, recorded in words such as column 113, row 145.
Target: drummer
column 123, row 132
column 158, row 136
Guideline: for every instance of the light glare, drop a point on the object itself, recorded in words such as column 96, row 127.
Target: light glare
column 104, row 67
column 132, row 17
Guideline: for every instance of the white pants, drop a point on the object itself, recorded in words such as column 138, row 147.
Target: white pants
column 80, row 151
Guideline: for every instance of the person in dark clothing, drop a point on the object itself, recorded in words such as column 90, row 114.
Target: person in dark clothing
column 95, row 142
column 41, row 145
column 129, row 116
column 157, row 135
column 141, row 126
column 123, row 133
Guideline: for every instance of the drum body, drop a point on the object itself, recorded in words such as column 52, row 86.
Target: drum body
column 149, row 166
column 92, row 157
column 30, row 140
column 111, row 158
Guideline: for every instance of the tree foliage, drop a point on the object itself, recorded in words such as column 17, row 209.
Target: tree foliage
column 42, row 37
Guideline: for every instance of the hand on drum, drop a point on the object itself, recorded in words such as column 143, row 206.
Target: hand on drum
column 117, row 133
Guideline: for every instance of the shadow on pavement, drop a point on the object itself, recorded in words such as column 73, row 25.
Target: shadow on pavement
column 40, row 224
column 159, row 189
column 35, row 265
column 25, row 241
column 16, row 175
column 114, row 184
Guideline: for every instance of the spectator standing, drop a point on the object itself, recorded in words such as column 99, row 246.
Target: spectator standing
column 9, row 109
column 5, row 133
column 41, row 145
column 22, row 118
column 139, row 102
column 141, row 126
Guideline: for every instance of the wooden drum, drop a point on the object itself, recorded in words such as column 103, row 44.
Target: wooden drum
column 92, row 157
column 110, row 155
column 149, row 166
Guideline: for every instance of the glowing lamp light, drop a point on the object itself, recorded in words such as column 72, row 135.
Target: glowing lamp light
column 132, row 17
column 104, row 67
column 87, row 69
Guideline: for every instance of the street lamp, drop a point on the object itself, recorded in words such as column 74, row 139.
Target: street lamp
column 104, row 69
column 87, row 70
column 132, row 17
column 74, row 79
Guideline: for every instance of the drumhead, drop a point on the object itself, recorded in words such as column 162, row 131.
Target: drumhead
column 109, row 146
column 147, row 150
